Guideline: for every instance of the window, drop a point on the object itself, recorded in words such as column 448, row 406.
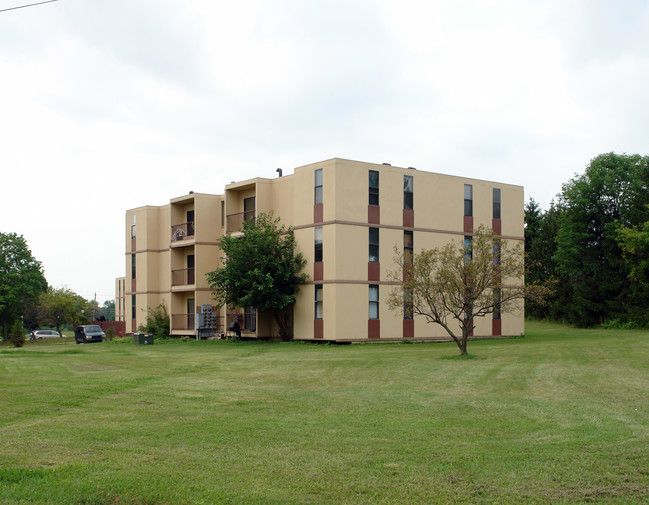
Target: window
column 317, row 235
column 496, row 199
column 407, row 303
column 222, row 212
column 249, row 208
column 190, row 223
column 318, row 301
column 374, row 187
column 407, row 192
column 250, row 319
column 133, row 311
column 133, row 227
column 497, row 300
column 374, row 245
column 374, row 301
column 468, row 252
column 317, row 197
column 132, row 266
column 468, row 200
column 496, row 251
column 407, row 247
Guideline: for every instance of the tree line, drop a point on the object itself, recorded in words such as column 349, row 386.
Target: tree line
column 591, row 246
column 27, row 300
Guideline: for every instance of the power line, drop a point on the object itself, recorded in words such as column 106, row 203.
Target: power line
column 29, row 5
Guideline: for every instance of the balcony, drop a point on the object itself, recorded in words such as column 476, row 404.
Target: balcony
column 183, row 321
column 182, row 231
column 235, row 221
column 183, row 277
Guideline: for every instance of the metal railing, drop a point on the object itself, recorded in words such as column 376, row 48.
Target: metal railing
column 235, row 221
column 183, row 277
column 183, row 321
column 182, row 231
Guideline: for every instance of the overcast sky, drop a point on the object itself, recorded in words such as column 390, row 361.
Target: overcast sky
column 111, row 105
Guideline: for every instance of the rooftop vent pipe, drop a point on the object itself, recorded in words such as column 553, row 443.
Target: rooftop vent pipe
column 279, row 171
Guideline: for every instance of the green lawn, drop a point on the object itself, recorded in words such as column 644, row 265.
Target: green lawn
column 560, row 416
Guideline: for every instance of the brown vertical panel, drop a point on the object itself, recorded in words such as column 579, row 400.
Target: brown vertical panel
column 408, row 218
column 133, row 285
column 317, row 271
column 133, row 244
column 408, row 328
column 318, row 328
column 133, row 326
column 468, row 224
column 373, row 328
column 496, row 327
column 373, row 214
column 318, row 213
column 373, row 271
column 496, row 225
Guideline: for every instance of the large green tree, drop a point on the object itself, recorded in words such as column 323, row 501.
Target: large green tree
column 61, row 306
column 21, row 278
column 594, row 278
column 540, row 248
column 260, row 269
column 454, row 285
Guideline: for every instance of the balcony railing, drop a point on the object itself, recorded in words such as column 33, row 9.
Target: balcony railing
column 183, row 277
column 182, row 231
column 183, row 321
column 235, row 221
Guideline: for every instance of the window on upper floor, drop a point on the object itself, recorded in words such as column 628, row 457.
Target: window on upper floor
column 317, row 195
column 374, row 245
column 132, row 266
column 408, row 247
column 408, row 182
column 468, row 250
column 317, row 239
column 374, row 187
column 496, row 199
column 468, row 200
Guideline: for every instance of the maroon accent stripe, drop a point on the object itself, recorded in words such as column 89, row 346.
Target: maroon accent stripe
column 496, row 225
column 373, row 271
column 496, row 327
column 408, row 328
column 318, row 213
column 318, row 271
column 373, row 214
column 408, row 218
column 373, row 328
column 318, row 328
column 468, row 224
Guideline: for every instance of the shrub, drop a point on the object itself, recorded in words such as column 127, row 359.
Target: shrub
column 17, row 333
column 157, row 322
column 110, row 333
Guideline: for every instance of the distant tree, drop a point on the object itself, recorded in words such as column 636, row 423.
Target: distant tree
column 453, row 285
column 17, row 333
column 61, row 307
column 157, row 322
column 107, row 310
column 540, row 249
column 594, row 277
column 261, row 269
column 634, row 243
column 21, row 278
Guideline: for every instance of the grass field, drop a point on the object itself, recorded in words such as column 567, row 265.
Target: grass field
column 559, row 416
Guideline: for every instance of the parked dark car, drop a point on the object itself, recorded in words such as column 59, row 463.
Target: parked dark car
column 45, row 334
column 88, row 333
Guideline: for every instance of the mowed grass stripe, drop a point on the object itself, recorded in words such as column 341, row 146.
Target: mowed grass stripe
column 559, row 416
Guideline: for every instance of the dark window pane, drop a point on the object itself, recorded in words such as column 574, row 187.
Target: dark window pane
column 407, row 201
column 468, row 207
column 317, row 199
